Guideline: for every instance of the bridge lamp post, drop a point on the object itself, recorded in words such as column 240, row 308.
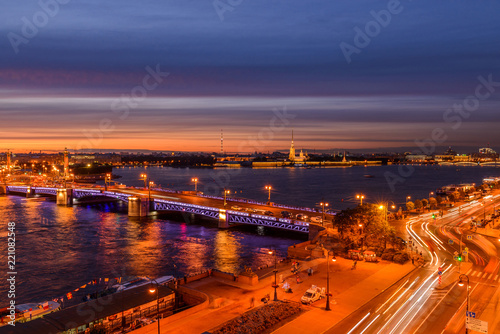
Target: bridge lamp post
column 275, row 285
column 360, row 197
column 461, row 282
column 149, row 189
column 195, row 180
column 407, row 199
column 323, row 205
column 144, row 177
column 268, row 188
column 152, row 289
column 225, row 193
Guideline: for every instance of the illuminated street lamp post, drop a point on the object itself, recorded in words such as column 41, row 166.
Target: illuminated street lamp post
column 269, row 196
column 275, row 285
column 360, row 197
column 327, row 307
column 107, row 181
column 225, row 193
column 149, row 189
column 145, row 178
column 407, row 199
column 152, row 290
column 461, row 283
column 195, row 180
column 323, row 204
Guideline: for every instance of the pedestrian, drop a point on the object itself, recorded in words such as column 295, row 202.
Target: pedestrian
column 412, row 260
column 354, row 265
column 252, row 302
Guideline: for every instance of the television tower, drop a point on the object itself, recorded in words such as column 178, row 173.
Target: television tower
column 221, row 143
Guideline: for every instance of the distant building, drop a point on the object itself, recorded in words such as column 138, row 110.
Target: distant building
column 293, row 158
column 418, row 157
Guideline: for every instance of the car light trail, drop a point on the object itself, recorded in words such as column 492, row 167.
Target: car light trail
column 399, row 297
column 402, row 285
column 371, row 322
column 358, row 323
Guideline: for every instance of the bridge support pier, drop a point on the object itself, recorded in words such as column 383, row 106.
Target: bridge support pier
column 223, row 219
column 30, row 192
column 138, row 207
column 64, row 197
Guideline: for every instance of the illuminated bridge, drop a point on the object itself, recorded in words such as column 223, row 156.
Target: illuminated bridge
column 139, row 205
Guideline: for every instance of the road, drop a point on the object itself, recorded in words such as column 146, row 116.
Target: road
column 419, row 303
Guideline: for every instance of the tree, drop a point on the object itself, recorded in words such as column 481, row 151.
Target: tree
column 418, row 204
column 410, row 206
column 425, row 202
column 433, row 202
column 439, row 200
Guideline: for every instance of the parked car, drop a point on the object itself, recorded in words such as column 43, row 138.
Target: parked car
column 252, row 210
column 236, row 208
column 269, row 213
column 311, row 295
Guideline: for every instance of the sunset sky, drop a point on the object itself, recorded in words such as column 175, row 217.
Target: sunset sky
column 68, row 69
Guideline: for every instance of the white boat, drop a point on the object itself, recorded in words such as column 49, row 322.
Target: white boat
column 29, row 311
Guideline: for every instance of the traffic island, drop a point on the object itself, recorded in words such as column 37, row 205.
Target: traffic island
column 261, row 319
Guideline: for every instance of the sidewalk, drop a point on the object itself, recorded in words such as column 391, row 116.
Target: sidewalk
column 318, row 320
column 350, row 289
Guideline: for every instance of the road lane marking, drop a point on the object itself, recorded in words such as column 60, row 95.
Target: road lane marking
column 485, row 275
column 496, row 276
column 474, row 273
column 468, row 272
column 491, row 275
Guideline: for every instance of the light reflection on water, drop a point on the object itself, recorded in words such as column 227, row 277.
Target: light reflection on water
column 61, row 248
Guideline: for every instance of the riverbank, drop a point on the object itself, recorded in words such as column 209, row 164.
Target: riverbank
column 229, row 299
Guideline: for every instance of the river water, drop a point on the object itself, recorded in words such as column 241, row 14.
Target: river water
column 59, row 249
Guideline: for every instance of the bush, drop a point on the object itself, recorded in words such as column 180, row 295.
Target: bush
column 401, row 258
column 388, row 254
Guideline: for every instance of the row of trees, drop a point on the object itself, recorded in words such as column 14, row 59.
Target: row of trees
column 374, row 230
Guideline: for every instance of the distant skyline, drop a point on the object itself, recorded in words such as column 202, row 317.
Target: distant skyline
column 195, row 70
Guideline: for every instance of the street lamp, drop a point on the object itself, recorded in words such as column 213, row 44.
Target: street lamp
column 461, row 283
column 225, row 193
column 152, row 290
column 323, row 204
column 327, row 308
column 107, row 181
column 149, row 189
column 360, row 197
column 269, row 196
column 275, row 285
column 195, row 180
column 407, row 199
column 145, row 178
